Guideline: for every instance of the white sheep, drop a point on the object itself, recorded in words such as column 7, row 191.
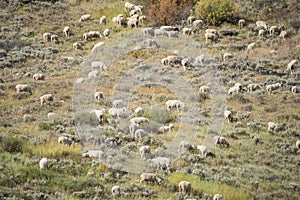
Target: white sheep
column 171, row 60
column 85, row 17
column 145, row 151
column 252, row 87
column 166, row 128
column 161, row 163
column 43, row 163
column 148, row 31
column 250, row 47
column 185, row 146
column 66, row 31
column 150, row 177
column 203, row 150
column 226, row 56
column 187, row 31
column 235, row 89
column 212, row 37
column 199, row 59
column 204, row 89
column 276, row 29
column 298, row 144
column 99, row 65
column 228, row 116
column 160, row 32
column 294, row 90
column 116, row 191
column 138, row 110
column 77, row 46
column 93, row 74
column 174, row 104
column 54, row 38
column 117, row 112
column 241, row 23
column 186, row 64
column 120, row 20
column 64, row 140
column 142, row 19
column 23, row 88
column 97, row 47
column 132, row 128
column 98, row 96
column 102, row 20
column 262, row 24
column 133, row 22
column 291, row 65
column 91, row 35
column 184, row 186
column 51, row 115
column 139, row 120
column 118, row 103
column 139, row 134
column 282, row 35
column 261, row 33
column 46, row 97
column 272, row 126
column 218, row 197
column 38, row 77
column 220, row 140
column 106, row 32
column 99, row 114
column 270, row 88
column 129, row 6
column 93, row 154
column 198, row 23
column 47, row 37
column 172, row 34
column 191, row 19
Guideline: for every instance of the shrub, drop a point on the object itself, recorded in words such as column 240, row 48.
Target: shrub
column 12, row 145
column 215, row 12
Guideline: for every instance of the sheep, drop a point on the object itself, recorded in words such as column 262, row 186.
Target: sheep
column 38, row 77
column 186, row 64
column 203, row 150
column 198, row 23
column 172, row 34
column 252, row 87
column 185, row 187
column 273, row 87
column 91, row 35
column 102, row 20
column 138, row 120
column 47, row 37
column 199, row 59
column 98, row 46
column 98, row 64
column 250, row 47
column 185, row 146
column 174, row 104
column 23, row 88
column 93, row 154
column 98, row 96
column 77, row 46
column 117, row 112
column 228, row 116
column 204, row 89
column 191, row 19
column 99, row 114
column 85, row 17
column 64, row 140
column 133, row 22
column 294, row 90
column 171, row 60
column 148, row 31
column 138, row 110
column 145, row 151
column 220, row 140
column 93, row 74
column 262, row 24
column 66, row 31
column 261, row 34
column 166, row 128
column 169, row 28
column 212, row 37
column 132, row 128
column 142, row 19
column 159, row 32
column 129, row 6
column 241, row 23
column 291, row 65
column 46, row 97
column 187, row 31
column 234, row 89
column 43, row 163
column 150, row 177
column 116, row 191
column 120, row 20
column 276, row 29
column 225, row 56
column 282, row 35
column 218, row 197
column 161, row 163
column 118, row 103
column 106, row 32
column 139, row 134
column 54, row 38
column 298, row 144
column 272, row 126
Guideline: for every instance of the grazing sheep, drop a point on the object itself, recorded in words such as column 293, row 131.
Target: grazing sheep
column 93, row 74
column 117, row 112
column 191, row 19
column 77, row 46
column 235, row 89
column 199, row 59
column 142, row 19
column 272, row 126
column 160, row 32
column 198, row 23
column 228, row 116
column 150, row 177
column 138, row 110
column 106, row 32
column 294, row 90
column 241, row 23
column 102, row 20
column 43, row 163
column 98, row 46
column 252, row 87
column 187, row 31
column 132, row 128
column 250, row 47
column 186, row 64
column 185, row 187
column 23, row 88
column 91, row 34
column 272, row 87
column 282, row 35
column 262, row 24
column 93, row 154
column 174, row 104
column 120, row 20
column 148, row 31
column 171, row 60
column 47, row 37
column 276, row 29
column 64, row 140
column 204, row 89
column 203, row 150
column 139, row 120
column 46, row 97
column 116, row 191
column 226, row 56
column 99, row 114
column 166, row 128
column 38, row 77
column 161, row 163
column 99, row 65
column 54, row 38
column 85, row 17
column 185, row 146
column 218, row 197
column 139, row 134
column 98, row 96
column 145, row 151
column 66, row 31
column 133, row 22
column 261, row 33
column 172, row 34
column 212, row 37
column 298, row 144
column 118, row 103
column 291, row 65
column 220, row 140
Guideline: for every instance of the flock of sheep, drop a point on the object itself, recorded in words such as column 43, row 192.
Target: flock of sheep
column 119, row 109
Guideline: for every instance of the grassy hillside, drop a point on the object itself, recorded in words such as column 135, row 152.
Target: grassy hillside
column 247, row 169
